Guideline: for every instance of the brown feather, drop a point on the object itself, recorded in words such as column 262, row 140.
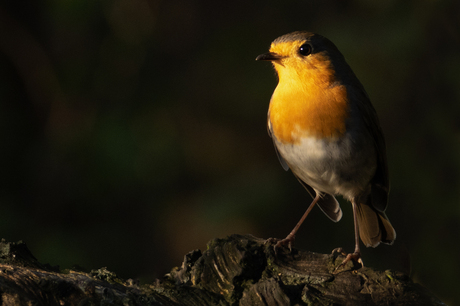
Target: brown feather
column 374, row 226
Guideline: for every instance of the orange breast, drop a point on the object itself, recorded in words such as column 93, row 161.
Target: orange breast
column 308, row 110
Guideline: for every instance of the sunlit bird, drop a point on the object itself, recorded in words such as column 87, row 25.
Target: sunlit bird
column 326, row 131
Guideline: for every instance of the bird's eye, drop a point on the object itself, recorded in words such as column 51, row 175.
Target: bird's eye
column 305, row 49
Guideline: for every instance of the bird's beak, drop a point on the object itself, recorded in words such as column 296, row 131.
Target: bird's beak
column 270, row 56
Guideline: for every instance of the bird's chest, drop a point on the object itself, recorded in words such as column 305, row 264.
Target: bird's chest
column 317, row 111
column 322, row 138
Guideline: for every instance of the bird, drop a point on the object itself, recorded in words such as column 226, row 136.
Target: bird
column 326, row 131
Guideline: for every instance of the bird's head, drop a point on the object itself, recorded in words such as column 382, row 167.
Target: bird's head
column 306, row 57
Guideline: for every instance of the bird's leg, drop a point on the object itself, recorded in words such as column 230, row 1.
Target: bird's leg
column 356, row 255
column 290, row 238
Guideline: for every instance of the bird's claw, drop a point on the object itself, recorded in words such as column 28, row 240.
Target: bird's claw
column 284, row 242
column 356, row 257
column 281, row 242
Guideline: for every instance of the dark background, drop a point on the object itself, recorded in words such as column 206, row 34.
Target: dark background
column 133, row 131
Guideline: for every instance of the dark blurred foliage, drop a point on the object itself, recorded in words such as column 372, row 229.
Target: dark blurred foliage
column 133, row 131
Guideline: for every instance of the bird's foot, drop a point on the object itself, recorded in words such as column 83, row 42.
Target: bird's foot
column 355, row 257
column 288, row 241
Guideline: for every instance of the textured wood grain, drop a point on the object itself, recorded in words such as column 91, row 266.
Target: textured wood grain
column 237, row 270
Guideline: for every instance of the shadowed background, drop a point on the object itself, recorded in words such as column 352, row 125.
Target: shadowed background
column 133, row 131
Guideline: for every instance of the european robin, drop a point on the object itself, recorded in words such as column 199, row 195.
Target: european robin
column 326, row 131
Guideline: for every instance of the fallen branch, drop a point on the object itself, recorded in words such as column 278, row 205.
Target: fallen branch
column 237, row 270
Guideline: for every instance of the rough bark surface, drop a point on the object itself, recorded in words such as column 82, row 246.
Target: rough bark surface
column 237, row 270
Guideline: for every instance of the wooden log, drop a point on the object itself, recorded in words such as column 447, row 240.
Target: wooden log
column 237, row 270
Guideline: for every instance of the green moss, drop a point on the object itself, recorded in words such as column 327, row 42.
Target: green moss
column 389, row 275
column 106, row 275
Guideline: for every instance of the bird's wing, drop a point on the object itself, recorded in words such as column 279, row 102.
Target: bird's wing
column 380, row 182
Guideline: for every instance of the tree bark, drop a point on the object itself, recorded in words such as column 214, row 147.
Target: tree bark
column 237, row 270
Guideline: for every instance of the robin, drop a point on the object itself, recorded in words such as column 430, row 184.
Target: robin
column 326, row 131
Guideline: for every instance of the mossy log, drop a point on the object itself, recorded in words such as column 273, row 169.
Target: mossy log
column 237, row 270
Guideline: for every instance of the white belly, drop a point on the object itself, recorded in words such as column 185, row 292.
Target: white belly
column 338, row 166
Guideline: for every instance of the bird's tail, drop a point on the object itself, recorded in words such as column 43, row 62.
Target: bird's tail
column 374, row 226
